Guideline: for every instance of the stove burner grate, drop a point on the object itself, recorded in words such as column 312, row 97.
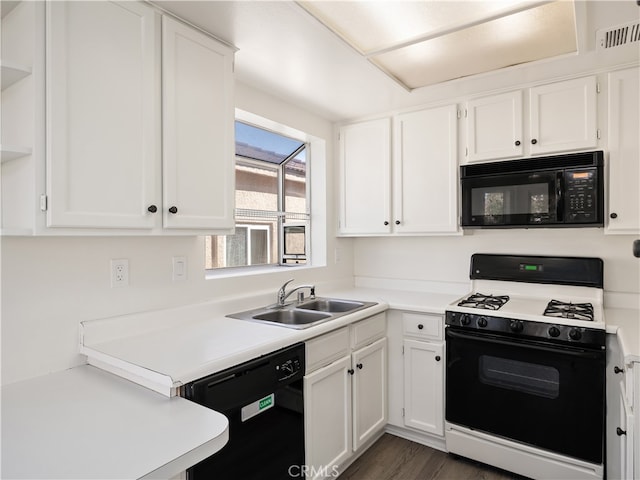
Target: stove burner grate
column 488, row 302
column 576, row 311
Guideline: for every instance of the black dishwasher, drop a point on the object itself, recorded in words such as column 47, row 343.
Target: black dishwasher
column 263, row 400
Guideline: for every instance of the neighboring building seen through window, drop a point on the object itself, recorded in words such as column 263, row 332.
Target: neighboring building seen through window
column 272, row 210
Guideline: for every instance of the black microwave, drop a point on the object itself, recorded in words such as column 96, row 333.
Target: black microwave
column 558, row 191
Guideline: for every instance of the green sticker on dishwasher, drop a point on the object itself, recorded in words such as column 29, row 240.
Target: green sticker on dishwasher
column 259, row 406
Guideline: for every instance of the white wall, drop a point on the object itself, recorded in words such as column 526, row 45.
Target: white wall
column 49, row 285
column 446, row 259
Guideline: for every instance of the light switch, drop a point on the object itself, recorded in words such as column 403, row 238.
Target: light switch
column 179, row 269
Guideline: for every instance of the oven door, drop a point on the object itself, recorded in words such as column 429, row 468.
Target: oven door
column 548, row 396
column 518, row 199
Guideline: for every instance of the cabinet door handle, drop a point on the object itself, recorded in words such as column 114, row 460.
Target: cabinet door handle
column 420, row 326
column 351, row 371
column 614, row 215
column 397, row 222
column 152, row 209
column 386, row 223
column 517, row 143
column 533, row 141
column 173, row 209
column 617, row 369
column 620, row 431
column 359, row 365
column 437, row 358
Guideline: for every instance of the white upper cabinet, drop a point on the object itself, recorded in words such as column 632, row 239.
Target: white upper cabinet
column 197, row 129
column 136, row 125
column 424, row 171
column 564, row 116
column 494, row 127
column 561, row 117
column 422, row 198
column 624, row 152
column 365, row 188
column 102, row 114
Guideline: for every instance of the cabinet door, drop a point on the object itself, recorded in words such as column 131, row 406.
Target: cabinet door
column 494, row 127
column 563, row 116
column 365, row 162
column 369, row 391
column 327, row 407
column 424, row 386
column 624, row 152
column 197, row 130
column 102, row 114
column 425, row 176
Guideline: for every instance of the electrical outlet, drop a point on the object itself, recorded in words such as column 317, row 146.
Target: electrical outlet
column 119, row 273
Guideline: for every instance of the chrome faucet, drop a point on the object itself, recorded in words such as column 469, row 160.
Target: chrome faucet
column 283, row 294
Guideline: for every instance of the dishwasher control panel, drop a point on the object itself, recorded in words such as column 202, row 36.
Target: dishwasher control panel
column 288, row 368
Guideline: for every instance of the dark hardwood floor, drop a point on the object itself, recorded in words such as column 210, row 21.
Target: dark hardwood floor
column 395, row 458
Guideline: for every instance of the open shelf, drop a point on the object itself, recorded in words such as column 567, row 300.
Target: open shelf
column 12, row 152
column 6, row 6
column 12, row 73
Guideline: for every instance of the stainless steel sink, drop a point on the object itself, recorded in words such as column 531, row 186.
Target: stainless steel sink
column 302, row 315
column 331, row 305
column 291, row 317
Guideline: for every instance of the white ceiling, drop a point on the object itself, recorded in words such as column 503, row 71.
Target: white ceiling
column 286, row 52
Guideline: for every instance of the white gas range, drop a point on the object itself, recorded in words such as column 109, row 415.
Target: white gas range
column 525, row 366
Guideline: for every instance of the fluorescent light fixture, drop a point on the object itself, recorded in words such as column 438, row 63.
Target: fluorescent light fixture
column 420, row 43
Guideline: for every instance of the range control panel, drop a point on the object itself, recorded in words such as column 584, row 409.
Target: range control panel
column 555, row 333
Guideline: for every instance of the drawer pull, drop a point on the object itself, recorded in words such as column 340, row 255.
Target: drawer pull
column 620, row 431
column 617, row 369
column 437, row 358
column 420, row 326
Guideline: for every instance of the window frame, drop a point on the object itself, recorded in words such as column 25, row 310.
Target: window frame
column 281, row 216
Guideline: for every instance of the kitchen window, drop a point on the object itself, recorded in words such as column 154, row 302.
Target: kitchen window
column 272, row 203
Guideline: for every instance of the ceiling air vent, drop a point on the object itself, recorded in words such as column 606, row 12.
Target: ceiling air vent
column 617, row 36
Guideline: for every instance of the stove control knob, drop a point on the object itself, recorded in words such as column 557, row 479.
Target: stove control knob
column 516, row 326
column 575, row 334
column 553, row 331
column 482, row 322
column 465, row 319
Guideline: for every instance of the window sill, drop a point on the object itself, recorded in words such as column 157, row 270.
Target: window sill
column 251, row 271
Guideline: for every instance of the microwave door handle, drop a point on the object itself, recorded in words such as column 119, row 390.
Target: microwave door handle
column 559, row 196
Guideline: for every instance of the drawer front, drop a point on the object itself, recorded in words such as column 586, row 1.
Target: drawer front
column 423, row 326
column 323, row 350
column 368, row 330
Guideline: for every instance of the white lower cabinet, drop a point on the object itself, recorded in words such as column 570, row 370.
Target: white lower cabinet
column 621, row 423
column 327, row 407
column 423, row 382
column 416, row 376
column 423, row 353
column 345, row 394
column 369, row 391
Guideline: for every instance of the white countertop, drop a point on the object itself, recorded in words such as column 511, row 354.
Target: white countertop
column 87, row 423
column 84, row 423
column 176, row 353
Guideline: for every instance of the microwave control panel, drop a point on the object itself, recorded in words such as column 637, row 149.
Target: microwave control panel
column 581, row 195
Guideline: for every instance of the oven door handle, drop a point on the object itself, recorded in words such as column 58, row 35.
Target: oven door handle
column 521, row 343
